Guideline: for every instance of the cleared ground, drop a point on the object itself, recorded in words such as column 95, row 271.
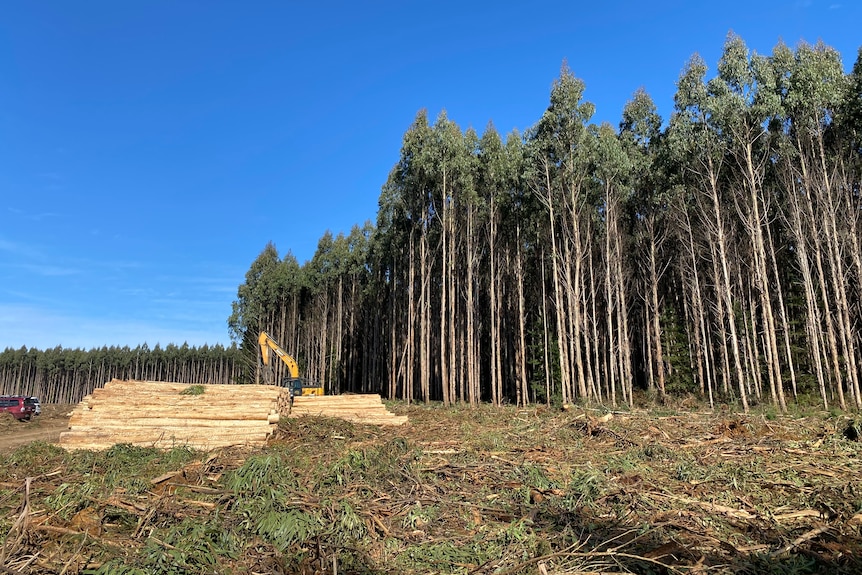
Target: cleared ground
column 489, row 491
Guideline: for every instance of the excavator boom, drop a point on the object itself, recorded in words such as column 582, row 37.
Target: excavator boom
column 267, row 345
column 297, row 385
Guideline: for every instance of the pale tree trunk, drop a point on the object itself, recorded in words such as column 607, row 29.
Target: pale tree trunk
column 496, row 359
column 444, row 309
column 796, row 219
column 521, row 353
column 856, row 255
column 546, row 339
column 655, row 311
column 701, row 340
column 566, row 383
column 626, row 374
column 812, row 226
column 838, row 275
column 836, row 241
column 334, row 377
column 754, row 360
column 471, row 339
column 592, row 347
column 725, row 289
column 576, row 298
column 755, row 222
column 785, row 325
column 424, row 320
column 453, row 309
column 410, row 344
column 610, row 298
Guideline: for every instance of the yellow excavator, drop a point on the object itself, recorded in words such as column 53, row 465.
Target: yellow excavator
column 292, row 381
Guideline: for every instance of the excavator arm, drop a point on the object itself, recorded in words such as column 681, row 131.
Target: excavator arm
column 297, row 385
column 268, row 345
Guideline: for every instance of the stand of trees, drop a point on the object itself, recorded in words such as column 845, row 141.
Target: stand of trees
column 66, row 375
column 717, row 253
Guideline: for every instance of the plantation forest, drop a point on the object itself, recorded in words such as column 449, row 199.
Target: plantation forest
column 715, row 253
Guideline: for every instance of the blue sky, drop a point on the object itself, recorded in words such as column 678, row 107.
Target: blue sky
column 149, row 150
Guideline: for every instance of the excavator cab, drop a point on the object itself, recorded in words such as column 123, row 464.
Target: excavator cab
column 302, row 386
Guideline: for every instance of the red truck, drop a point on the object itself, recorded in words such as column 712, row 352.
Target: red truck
column 18, row 406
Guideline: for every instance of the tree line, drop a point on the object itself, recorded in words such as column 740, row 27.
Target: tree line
column 715, row 253
column 63, row 375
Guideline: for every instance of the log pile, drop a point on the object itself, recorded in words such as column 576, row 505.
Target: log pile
column 359, row 408
column 164, row 415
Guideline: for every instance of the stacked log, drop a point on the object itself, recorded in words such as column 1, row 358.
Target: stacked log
column 165, row 415
column 359, row 408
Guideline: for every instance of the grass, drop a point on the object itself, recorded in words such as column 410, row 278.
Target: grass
column 482, row 491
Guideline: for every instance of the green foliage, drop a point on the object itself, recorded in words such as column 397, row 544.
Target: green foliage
column 124, row 467
column 193, row 390
column 284, row 528
column 592, row 505
column 37, row 455
column 419, row 516
column 533, row 476
column 348, row 468
column 445, row 557
column 585, row 486
column 119, row 567
column 69, row 498
column 264, row 474
column 350, row 525
column 375, row 468
column 189, row 547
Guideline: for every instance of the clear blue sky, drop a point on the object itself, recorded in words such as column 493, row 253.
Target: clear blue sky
column 150, row 149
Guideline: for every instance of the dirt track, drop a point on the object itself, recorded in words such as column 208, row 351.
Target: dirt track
column 46, row 427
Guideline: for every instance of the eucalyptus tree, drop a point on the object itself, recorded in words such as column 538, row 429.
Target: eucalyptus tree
column 559, row 143
column 701, row 153
column 389, row 280
column 253, row 308
column 510, row 227
column 269, row 300
column 740, row 110
column 612, row 170
column 647, row 203
column 321, row 325
column 359, row 311
column 472, row 241
column 811, row 84
column 525, row 247
column 450, row 167
column 403, row 242
column 491, row 187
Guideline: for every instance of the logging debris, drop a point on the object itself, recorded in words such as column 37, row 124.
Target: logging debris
column 493, row 490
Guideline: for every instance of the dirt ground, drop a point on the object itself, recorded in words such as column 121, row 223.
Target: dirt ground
column 46, row 427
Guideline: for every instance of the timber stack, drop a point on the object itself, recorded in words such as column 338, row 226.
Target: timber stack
column 358, row 408
column 169, row 414
column 166, row 415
